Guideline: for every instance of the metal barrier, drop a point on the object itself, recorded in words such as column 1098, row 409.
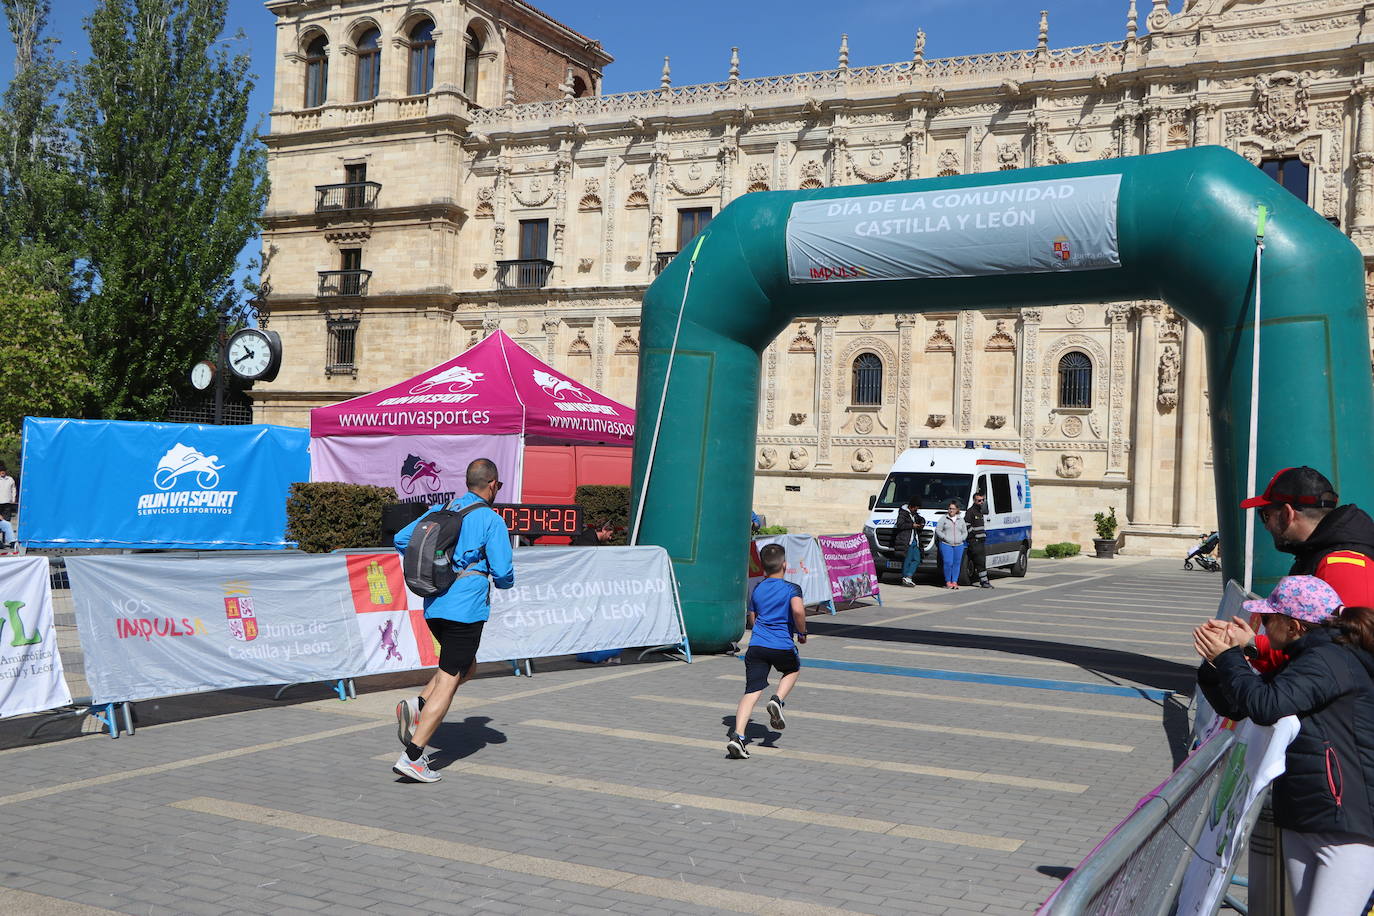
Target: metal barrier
column 1138, row 869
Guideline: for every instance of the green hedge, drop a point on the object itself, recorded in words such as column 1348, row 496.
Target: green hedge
column 773, row 529
column 602, row 502
column 332, row 516
column 1055, row 551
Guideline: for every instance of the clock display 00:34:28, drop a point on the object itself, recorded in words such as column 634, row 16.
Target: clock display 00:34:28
column 524, row 518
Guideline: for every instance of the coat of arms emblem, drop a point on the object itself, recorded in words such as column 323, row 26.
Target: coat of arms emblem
column 243, row 622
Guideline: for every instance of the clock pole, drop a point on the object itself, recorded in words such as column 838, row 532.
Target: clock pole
column 221, row 371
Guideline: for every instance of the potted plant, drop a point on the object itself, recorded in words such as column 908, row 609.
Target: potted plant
column 1105, row 542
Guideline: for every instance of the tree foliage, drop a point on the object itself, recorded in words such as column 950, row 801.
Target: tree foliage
column 42, row 360
column 174, row 184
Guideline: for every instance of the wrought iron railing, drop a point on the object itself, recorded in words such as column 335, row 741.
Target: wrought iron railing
column 662, row 260
column 353, row 195
column 526, row 273
column 344, row 282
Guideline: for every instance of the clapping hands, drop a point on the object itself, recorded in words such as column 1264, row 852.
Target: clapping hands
column 1216, row 636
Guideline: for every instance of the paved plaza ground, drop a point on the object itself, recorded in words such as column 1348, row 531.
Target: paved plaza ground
column 905, row 782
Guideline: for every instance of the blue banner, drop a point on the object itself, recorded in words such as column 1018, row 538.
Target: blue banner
column 106, row 483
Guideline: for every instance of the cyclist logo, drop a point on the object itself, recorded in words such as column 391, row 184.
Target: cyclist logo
column 418, row 472
column 183, row 459
column 454, row 378
column 558, row 388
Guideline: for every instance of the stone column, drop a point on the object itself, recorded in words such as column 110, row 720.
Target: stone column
column 905, row 323
column 1154, row 128
column 825, row 367
column 500, row 206
column 1142, row 441
column 1027, row 382
column 658, row 191
column 963, row 371
column 1118, row 313
column 1364, row 159
column 1190, row 456
column 1130, row 115
column 609, row 210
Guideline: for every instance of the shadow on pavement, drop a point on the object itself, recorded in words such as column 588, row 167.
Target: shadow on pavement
column 1130, row 666
column 457, row 740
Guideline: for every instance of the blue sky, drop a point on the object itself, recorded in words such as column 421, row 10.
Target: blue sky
column 774, row 37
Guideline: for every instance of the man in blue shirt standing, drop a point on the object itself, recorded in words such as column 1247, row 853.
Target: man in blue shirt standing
column 482, row 557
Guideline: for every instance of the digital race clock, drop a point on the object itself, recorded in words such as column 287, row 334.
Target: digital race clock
column 539, row 520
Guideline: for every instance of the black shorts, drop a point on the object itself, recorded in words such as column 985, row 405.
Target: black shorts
column 457, row 643
column 757, row 661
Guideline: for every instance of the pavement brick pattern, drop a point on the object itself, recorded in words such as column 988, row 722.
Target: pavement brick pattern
column 593, row 790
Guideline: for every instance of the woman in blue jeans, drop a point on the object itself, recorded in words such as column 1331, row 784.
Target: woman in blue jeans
column 952, row 532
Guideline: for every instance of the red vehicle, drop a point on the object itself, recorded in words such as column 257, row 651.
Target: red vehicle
column 553, row 473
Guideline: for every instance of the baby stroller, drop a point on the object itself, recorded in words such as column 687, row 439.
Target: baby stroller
column 1202, row 554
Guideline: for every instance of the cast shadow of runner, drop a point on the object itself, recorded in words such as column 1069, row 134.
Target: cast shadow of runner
column 457, row 740
column 757, row 733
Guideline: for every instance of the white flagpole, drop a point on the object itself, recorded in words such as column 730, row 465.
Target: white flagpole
column 1250, row 470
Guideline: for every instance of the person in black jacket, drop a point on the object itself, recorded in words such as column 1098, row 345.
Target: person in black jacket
column 976, row 519
column 1324, row 801
column 904, row 539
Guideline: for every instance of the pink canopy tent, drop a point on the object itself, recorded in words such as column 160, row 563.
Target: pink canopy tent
column 419, row 435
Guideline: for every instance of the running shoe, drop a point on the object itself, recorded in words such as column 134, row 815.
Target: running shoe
column 407, row 717
column 417, row 770
column 775, row 718
column 734, row 748
column 906, row 580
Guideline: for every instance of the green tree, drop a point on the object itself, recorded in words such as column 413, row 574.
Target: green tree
column 42, row 360
column 38, row 186
column 175, row 185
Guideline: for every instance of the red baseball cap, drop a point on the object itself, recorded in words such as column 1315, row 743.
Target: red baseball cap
column 1304, row 487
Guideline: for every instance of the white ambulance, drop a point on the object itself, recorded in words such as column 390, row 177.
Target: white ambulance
column 934, row 477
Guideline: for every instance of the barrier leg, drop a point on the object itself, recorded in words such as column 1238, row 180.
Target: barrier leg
column 831, row 604
column 529, row 667
column 128, row 717
column 515, row 666
column 341, row 689
column 352, row 690
column 107, row 718
column 282, row 689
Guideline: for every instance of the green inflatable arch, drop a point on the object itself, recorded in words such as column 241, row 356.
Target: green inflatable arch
column 1185, row 228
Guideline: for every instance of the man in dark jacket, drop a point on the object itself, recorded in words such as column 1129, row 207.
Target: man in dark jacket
column 1335, row 543
column 904, row 540
column 976, row 519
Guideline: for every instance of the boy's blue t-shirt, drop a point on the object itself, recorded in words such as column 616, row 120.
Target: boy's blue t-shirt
column 771, row 603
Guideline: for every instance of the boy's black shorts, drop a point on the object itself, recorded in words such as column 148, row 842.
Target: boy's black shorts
column 757, row 661
column 457, row 643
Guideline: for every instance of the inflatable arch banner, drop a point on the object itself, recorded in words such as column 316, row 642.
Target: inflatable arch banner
column 1177, row 226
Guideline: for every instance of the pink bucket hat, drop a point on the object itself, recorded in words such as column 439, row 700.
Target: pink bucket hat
column 1305, row 598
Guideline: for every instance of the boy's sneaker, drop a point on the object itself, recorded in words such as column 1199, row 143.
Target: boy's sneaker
column 407, row 717
column 735, row 748
column 417, row 770
column 775, row 718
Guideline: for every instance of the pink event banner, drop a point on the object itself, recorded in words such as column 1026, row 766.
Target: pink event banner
column 852, row 575
column 426, row 469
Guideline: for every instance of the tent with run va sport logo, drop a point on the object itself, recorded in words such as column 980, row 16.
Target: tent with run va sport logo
column 495, row 401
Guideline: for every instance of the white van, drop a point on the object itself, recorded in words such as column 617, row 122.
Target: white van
column 934, row 476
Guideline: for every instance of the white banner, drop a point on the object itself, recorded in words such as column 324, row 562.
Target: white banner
column 1257, row 760
column 805, row 566
column 582, row 599
column 157, row 626
column 30, row 665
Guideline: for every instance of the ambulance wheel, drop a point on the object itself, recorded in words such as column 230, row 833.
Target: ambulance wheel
column 1018, row 569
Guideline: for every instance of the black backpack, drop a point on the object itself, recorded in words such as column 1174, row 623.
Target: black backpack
column 428, row 559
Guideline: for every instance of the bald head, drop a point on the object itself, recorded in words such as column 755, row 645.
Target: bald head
column 481, row 474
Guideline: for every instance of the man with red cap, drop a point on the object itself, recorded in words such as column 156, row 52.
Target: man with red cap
column 1335, row 543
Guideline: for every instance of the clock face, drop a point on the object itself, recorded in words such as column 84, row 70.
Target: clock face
column 250, row 353
column 202, row 374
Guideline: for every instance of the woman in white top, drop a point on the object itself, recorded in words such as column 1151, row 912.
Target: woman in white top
column 952, row 532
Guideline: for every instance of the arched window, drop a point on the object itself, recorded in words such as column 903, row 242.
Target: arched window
column 369, row 66
column 579, row 87
column 1075, row 380
column 868, row 379
column 421, row 58
column 317, row 72
column 472, row 50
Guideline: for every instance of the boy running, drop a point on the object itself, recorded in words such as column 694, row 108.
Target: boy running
column 776, row 613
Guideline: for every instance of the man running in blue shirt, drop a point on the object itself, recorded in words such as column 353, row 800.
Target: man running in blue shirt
column 456, row 617
column 776, row 612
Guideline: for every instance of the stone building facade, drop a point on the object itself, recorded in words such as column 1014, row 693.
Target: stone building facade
column 501, row 200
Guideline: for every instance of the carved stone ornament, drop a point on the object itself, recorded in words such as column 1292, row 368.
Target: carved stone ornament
column 863, row 460
column 1082, row 144
column 935, row 420
column 535, row 195
column 522, row 326
column 1074, row 315
column 1001, row 339
column 797, row 419
column 1168, row 377
column 798, row 458
column 866, row 321
column 632, row 261
column 863, row 424
column 1281, row 100
column 940, row 339
column 1073, row 427
column 997, row 421
column 479, row 269
column 584, row 265
column 758, row 172
column 580, row 346
column 948, row 163
column 1008, row 156
column 1070, row 466
column 803, row 342
column 485, row 193
column 639, row 181
column 768, row 457
column 811, row 175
